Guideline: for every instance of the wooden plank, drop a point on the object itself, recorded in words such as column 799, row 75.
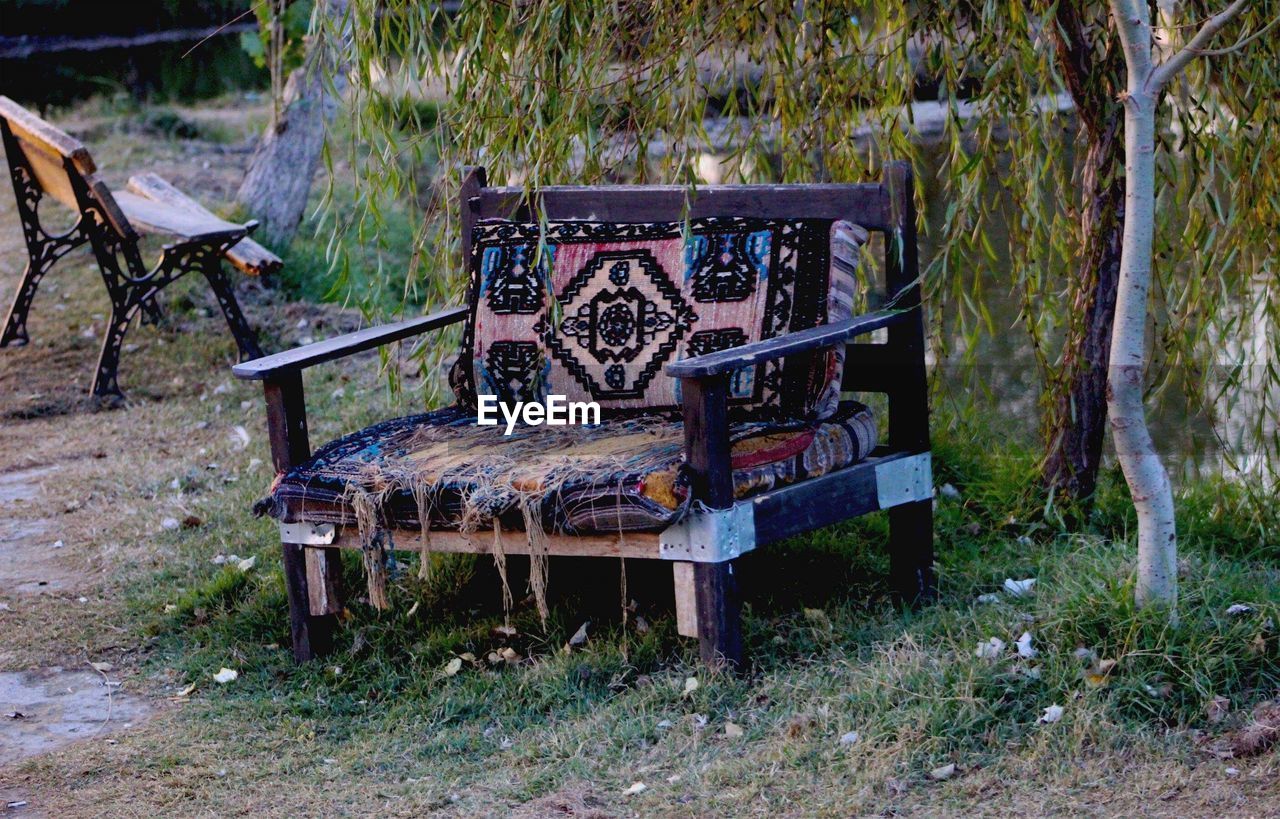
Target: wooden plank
column 686, row 599
column 44, row 137
column 473, row 182
column 246, row 255
column 330, row 349
column 865, row 204
column 707, row 454
column 769, row 349
column 322, row 591
column 159, row 217
column 50, row 174
column 909, row 394
column 286, row 420
column 818, row 502
column 626, row 544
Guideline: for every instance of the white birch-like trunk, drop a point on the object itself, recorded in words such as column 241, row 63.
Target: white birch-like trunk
column 1148, row 481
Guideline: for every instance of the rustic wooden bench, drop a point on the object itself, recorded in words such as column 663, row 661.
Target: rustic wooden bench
column 719, row 528
column 43, row 160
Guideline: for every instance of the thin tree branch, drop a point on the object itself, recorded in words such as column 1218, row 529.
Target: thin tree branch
column 1164, row 72
column 1239, row 44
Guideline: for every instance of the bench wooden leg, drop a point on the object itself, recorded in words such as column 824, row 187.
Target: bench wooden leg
column 719, row 614
column 911, row 552
column 311, row 634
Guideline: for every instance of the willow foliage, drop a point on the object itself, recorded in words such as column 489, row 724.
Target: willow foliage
column 589, row 91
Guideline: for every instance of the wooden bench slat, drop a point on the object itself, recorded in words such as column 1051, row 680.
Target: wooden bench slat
column 45, row 138
column 156, row 197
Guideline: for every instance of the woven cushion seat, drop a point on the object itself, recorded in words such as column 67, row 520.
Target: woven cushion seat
column 623, row 475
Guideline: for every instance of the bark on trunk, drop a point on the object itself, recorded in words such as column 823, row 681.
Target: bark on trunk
column 1075, row 422
column 284, row 163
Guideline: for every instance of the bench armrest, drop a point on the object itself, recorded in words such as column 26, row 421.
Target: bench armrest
column 769, row 349
column 300, row 358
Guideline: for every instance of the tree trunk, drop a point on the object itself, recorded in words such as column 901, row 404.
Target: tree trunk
column 278, row 181
column 1077, row 420
column 1148, row 481
column 1075, row 423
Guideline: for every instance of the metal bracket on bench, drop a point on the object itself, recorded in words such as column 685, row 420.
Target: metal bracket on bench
column 710, row 535
column 904, row 480
column 307, row 534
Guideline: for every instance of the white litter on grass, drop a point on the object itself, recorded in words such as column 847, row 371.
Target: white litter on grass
column 990, row 650
column 943, row 773
column 989, row 598
column 226, row 675
column 665, row 724
column 690, row 685
column 849, row 738
column 58, row 544
column 241, row 437
column 170, row 524
column 1024, row 646
column 1237, row 609
column 1051, row 714
column 1019, row 588
column 949, row 492
column 636, row 787
column 247, row 564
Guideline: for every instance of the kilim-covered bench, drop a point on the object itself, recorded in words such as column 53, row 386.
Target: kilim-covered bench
column 715, row 329
column 44, row 160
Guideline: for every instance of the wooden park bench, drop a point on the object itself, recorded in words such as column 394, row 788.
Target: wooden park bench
column 708, row 325
column 45, row 161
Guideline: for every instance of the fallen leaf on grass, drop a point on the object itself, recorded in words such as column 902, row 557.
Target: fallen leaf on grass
column 1237, row 609
column 192, row 522
column 636, row 787
column 732, row 730
column 943, row 773
column 989, row 598
column 510, row 655
column 642, row 625
column 1024, row 646
column 1052, row 714
column 690, row 685
column 1019, row 588
column 990, row 650
column 453, row 666
column 101, row 667
column 580, row 636
column 186, row 692
column 504, row 632
column 247, row 564
column 1216, row 710
column 226, row 675
column 240, row 436
column 1097, row 675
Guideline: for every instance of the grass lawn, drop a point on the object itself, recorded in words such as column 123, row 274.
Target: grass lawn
column 849, row 706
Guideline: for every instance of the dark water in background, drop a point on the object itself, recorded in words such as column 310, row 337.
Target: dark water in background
column 156, row 72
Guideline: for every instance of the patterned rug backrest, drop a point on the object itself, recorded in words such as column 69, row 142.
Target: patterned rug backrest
column 593, row 311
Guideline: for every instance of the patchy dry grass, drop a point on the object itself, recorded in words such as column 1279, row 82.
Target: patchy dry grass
column 380, row 728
